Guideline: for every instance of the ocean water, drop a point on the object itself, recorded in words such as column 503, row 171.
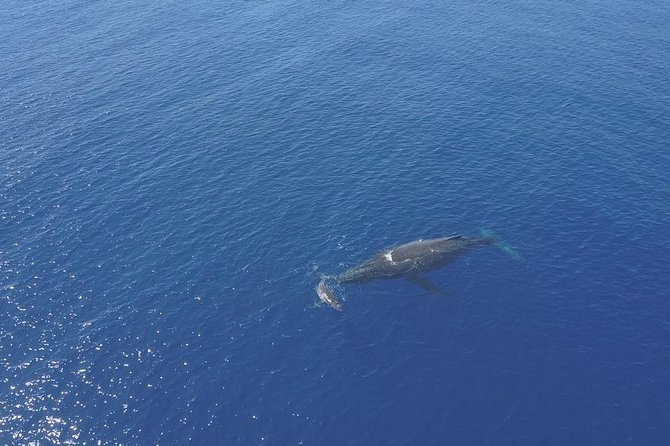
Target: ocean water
column 175, row 176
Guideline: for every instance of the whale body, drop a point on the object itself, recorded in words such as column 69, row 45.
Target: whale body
column 413, row 257
column 327, row 296
column 406, row 260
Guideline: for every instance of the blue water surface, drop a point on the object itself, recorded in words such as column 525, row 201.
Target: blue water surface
column 175, row 176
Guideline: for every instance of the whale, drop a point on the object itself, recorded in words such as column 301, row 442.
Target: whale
column 406, row 260
column 326, row 296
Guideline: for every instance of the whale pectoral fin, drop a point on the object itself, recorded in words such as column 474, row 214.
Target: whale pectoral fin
column 426, row 284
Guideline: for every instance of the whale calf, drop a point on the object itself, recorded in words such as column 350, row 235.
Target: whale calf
column 327, row 296
column 406, row 260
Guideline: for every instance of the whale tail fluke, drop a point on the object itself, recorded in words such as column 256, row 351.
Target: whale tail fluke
column 500, row 244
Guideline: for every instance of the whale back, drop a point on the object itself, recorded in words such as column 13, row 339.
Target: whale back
column 420, row 255
column 421, row 248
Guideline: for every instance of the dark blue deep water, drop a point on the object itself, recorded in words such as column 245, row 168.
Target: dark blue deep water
column 176, row 175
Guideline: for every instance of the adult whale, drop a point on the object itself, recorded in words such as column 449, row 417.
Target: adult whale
column 406, row 260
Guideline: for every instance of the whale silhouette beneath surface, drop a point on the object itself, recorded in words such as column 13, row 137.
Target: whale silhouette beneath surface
column 406, row 260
